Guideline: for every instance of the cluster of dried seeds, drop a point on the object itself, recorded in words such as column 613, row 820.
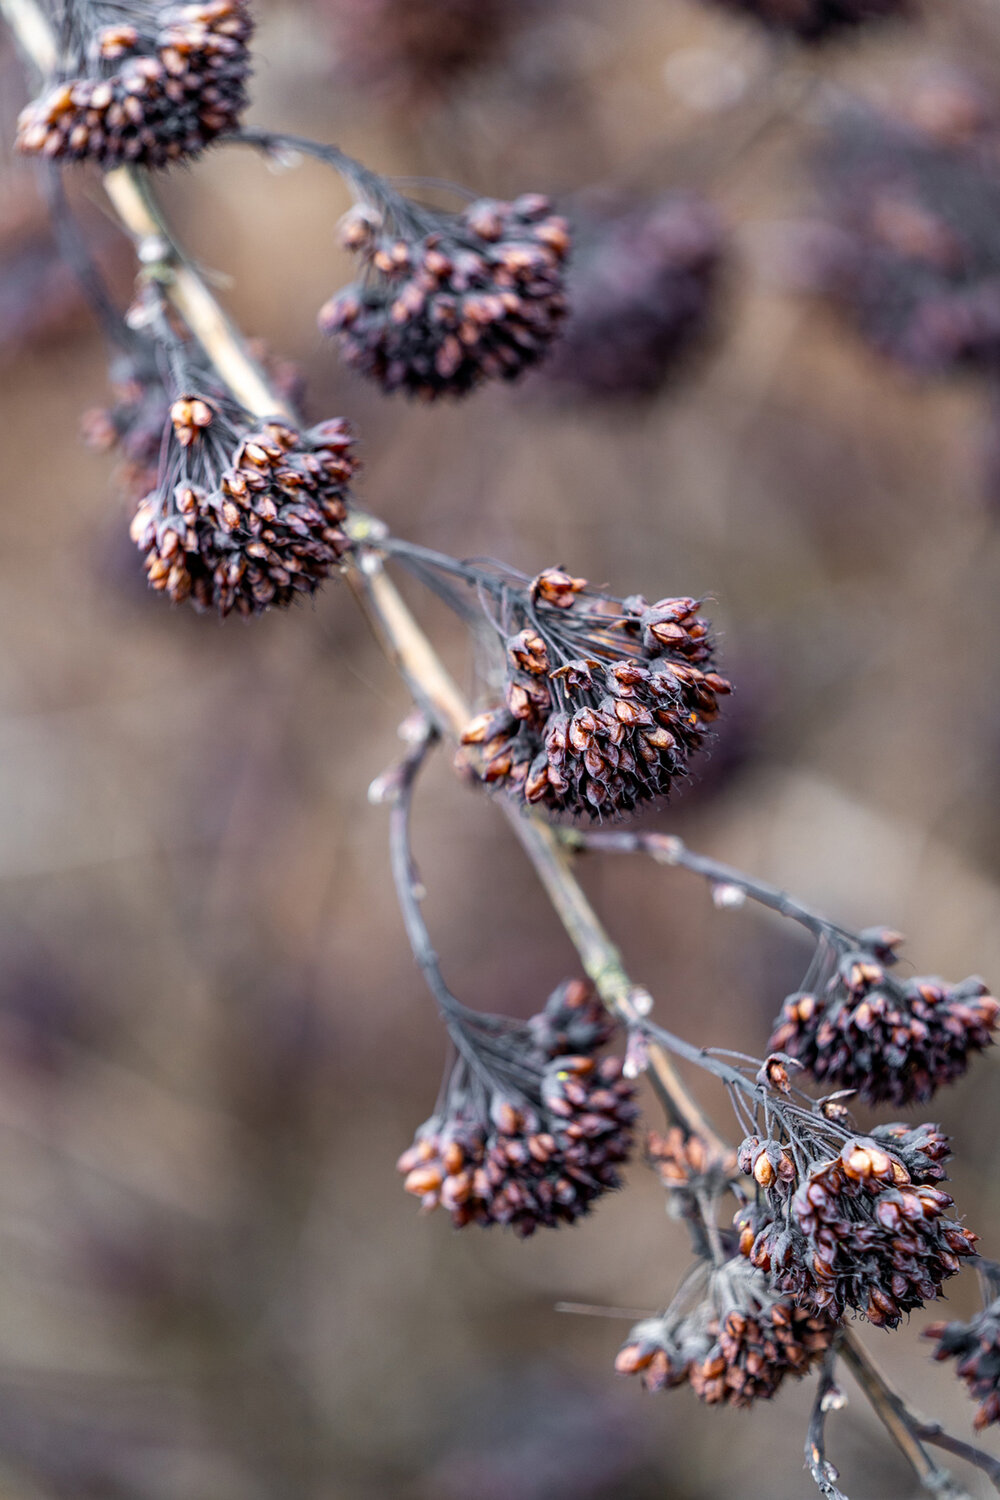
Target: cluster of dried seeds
column 605, row 699
column 247, row 514
column 892, row 1040
column 151, row 96
column 447, row 301
column 735, row 1345
column 525, row 1136
column 863, row 1228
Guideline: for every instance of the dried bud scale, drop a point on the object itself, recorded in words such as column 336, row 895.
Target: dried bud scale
column 146, row 91
column 643, row 288
column 893, row 1040
column 845, row 1221
column 734, row 1340
column 816, row 20
column 976, row 1347
column 606, row 699
column 522, row 1135
column 446, row 301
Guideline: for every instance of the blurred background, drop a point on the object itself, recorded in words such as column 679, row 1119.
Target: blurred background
column 213, row 1040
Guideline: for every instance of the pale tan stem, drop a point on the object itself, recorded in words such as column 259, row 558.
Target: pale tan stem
column 31, row 27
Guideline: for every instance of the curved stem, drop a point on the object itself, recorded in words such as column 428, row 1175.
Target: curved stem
column 668, row 849
column 273, row 142
column 908, row 1431
column 822, row 1470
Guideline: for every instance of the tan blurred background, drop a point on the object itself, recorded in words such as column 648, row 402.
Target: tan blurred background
column 213, row 1041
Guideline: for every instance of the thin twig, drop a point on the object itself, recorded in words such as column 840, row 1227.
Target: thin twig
column 822, row 1470
column 75, row 252
column 908, row 1431
column 397, row 789
column 276, row 143
column 668, row 849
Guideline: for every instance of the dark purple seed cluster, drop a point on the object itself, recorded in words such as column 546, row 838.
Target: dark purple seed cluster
column 735, row 1346
column 976, row 1347
column 892, row 1040
column 247, row 514
column 605, row 699
column 643, row 292
column 864, row 1229
column 817, row 20
column 147, row 97
column 416, row 50
column 448, row 301
column 523, row 1136
column 913, row 255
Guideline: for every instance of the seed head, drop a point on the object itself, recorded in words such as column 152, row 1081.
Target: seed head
column 735, row 1344
column 148, row 92
column 246, row 514
column 692, row 1171
column 913, row 202
column 605, row 698
column 976, row 1347
column 817, row 20
column 417, row 50
column 862, row 1227
column 892, row 1040
column 522, row 1135
column 447, row 301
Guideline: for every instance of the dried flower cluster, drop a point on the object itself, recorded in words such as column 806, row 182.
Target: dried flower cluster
column 736, row 1344
column 152, row 88
column 859, row 1226
column 523, row 1135
column 976, row 1347
column 643, row 290
column 246, row 514
column 605, row 698
column 816, row 20
column 892, row 1040
column 915, row 258
column 447, row 301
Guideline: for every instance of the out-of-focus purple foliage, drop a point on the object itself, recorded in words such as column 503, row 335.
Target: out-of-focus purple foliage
column 912, row 252
column 644, row 287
